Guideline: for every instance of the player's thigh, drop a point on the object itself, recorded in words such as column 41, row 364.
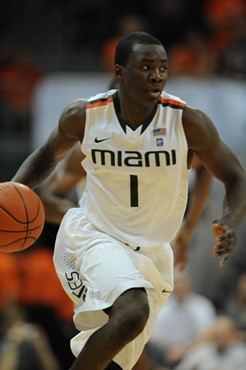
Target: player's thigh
column 109, row 267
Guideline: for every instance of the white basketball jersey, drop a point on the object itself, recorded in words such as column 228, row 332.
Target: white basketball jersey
column 137, row 180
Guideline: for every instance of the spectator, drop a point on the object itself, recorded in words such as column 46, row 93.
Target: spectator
column 224, row 349
column 171, row 19
column 232, row 59
column 9, row 279
column 18, row 78
column 191, row 57
column 127, row 23
column 23, row 346
column 222, row 18
column 185, row 315
column 235, row 306
column 45, row 302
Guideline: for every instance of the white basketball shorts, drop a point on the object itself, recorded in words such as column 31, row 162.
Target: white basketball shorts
column 95, row 269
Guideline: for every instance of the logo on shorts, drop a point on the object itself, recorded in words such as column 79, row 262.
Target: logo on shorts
column 76, row 285
column 166, row 291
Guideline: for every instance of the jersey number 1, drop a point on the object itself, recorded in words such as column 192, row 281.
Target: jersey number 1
column 134, row 191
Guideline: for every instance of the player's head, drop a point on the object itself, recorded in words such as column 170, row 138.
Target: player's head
column 141, row 67
column 126, row 44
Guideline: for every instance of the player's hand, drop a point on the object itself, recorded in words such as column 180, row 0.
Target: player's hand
column 180, row 256
column 225, row 241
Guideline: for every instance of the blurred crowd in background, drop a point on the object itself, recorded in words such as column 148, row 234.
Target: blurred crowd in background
column 81, row 35
column 203, row 38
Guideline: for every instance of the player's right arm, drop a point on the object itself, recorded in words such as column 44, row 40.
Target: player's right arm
column 70, row 129
column 60, row 184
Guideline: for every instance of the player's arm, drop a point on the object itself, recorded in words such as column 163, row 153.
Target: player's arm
column 197, row 200
column 199, row 193
column 203, row 139
column 70, row 129
column 60, row 184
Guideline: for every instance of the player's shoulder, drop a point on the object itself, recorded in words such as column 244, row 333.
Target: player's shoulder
column 101, row 99
column 73, row 117
column 195, row 118
column 74, row 108
column 172, row 101
column 199, row 128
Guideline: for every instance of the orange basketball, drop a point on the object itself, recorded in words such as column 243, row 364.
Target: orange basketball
column 21, row 217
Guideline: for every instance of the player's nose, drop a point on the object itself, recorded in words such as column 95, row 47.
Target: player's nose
column 156, row 75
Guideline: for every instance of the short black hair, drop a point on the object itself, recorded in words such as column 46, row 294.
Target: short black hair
column 125, row 45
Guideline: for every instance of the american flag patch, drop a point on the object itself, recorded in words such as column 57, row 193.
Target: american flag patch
column 159, row 131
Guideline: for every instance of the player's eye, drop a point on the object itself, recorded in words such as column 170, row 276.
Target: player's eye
column 145, row 67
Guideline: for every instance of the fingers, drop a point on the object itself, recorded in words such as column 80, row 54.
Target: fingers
column 218, row 229
column 225, row 243
column 223, row 260
column 225, row 239
column 180, row 265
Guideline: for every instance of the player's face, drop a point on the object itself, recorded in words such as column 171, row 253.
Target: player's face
column 145, row 74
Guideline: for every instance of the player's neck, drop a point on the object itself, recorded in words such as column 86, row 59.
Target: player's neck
column 134, row 115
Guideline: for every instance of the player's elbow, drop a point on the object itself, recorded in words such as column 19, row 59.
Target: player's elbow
column 236, row 182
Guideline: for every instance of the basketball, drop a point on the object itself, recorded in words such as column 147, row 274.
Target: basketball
column 21, row 217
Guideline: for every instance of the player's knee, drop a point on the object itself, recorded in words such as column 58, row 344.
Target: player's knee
column 133, row 312
column 137, row 318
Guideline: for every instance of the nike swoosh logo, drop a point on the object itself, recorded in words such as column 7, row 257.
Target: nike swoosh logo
column 100, row 140
column 166, row 291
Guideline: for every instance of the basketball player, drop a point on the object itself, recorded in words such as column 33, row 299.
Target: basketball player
column 112, row 253
column 71, row 175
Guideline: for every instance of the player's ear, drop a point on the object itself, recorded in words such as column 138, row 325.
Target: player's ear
column 118, row 70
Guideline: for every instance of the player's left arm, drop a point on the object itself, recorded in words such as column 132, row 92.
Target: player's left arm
column 199, row 193
column 204, row 140
column 198, row 198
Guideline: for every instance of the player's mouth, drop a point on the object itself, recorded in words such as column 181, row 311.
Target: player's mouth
column 154, row 93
